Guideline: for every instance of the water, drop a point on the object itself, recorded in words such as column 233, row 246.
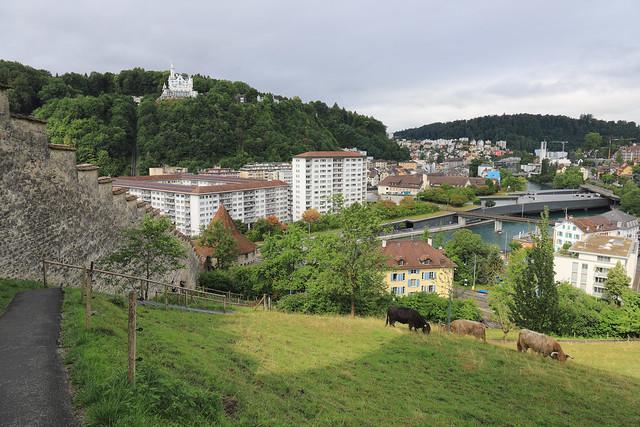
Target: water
column 511, row 229
column 534, row 186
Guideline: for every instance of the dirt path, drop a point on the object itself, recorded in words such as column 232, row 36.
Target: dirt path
column 33, row 387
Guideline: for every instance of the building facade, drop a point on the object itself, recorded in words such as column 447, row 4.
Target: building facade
column 318, row 176
column 613, row 223
column 415, row 266
column 192, row 200
column 267, row 171
column 178, row 86
column 401, row 185
column 586, row 264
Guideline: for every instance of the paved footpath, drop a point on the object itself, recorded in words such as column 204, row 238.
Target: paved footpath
column 33, row 388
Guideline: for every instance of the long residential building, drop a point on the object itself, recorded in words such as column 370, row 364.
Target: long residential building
column 320, row 175
column 586, row 263
column 191, row 201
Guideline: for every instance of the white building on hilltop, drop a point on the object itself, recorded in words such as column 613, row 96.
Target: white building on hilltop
column 178, row 86
column 320, row 175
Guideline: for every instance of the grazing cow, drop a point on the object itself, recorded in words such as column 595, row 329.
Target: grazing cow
column 469, row 327
column 540, row 343
column 407, row 315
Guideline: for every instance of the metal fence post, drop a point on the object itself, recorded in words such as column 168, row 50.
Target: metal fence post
column 132, row 338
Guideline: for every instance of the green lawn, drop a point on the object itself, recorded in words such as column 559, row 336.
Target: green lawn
column 10, row 287
column 272, row 369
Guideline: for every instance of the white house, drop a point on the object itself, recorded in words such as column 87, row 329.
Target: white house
column 320, row 175
column 587, row 263
column 612, row 223
column 178, row 86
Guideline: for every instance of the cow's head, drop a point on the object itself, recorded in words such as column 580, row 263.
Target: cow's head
column 426, row 328
column 560, row 355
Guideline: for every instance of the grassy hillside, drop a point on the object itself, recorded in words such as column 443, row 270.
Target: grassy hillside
column 278, row 369
column 10, row 287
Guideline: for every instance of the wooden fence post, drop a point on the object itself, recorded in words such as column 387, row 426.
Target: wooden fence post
column 165, row 299
column 264, row 301
column 44, row 272
column 88, row 276
column 132, row 338
column 224, row 304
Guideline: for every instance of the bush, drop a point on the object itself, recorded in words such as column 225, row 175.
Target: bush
column 239, row 279
column 308, row 303
column 219, row 280
column 435, row 308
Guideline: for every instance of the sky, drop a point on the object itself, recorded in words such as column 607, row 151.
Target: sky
column 407, row 63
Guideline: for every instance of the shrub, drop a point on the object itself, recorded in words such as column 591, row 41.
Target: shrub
column 435, row 308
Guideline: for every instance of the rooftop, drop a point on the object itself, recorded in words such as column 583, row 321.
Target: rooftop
column 244, row 245
column 415, row 254
column 311, row 154
column 605, row 245
column 404, row 181
column 219, row 183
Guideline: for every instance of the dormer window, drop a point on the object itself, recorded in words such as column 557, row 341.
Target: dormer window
column 400, row 261
column 425, row 260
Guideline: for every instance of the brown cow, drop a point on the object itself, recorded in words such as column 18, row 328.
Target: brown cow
column 469, row 327
column 540, row 343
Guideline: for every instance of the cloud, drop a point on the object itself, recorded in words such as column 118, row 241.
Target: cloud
column 407, row 63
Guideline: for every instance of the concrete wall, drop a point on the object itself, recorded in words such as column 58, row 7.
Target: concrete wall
column 49, row 207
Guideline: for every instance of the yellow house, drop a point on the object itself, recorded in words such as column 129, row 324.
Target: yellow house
column 416, row 266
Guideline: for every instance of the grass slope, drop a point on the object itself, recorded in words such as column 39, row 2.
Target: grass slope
column 281, row 369
column 10, row 287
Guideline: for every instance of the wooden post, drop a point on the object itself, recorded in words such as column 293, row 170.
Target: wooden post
column 166, row 307
column 44, row 272
column 264, row 301
column 224, row 304
column 132, row 338
column 87, row 297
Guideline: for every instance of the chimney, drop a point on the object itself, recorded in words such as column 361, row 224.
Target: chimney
column 384, row 243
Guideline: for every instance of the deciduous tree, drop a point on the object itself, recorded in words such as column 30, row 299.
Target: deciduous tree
column 218, row 237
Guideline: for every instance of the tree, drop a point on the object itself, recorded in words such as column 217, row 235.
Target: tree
column 310, row 216
column 150, row 249
column 501, row 297
column 473, row 167
column 426, row 234
column 467, row 249
column 592, row 140
column 535, row 295
column 571, row 178
column 617, row 281
column 220, row 238
column 630, row 198
column 349, row 265
column 284, row 268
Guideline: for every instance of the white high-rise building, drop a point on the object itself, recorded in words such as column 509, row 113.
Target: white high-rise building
column 178, row 86
column 320, row 175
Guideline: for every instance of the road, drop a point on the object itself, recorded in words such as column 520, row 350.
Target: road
column 33, row 387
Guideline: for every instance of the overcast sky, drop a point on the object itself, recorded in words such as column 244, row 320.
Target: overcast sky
column 407, row 63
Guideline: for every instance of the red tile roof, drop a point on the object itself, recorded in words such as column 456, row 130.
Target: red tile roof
column 415, row 254
column 244, row 245
column 330, row 154
column 226, row 183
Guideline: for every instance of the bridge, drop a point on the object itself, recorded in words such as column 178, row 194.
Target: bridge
column 601, row 191
column 496, row 218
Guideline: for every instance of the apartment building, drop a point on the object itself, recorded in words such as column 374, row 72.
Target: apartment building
column 586, row 264
column 613, row 223
column 191, row 201
column 267, row 171
column 320, row 175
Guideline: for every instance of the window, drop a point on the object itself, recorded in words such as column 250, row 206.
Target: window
column 398, row 290
column 604, row 259
column 414, row 283
column 397, row 277
column 429, row 289
column 429, row 275
column 574, row 273
column 583, row 276
column 559, row 233
column 425, row 260
column 413, row 271
column 400, row 262
column 598, row 290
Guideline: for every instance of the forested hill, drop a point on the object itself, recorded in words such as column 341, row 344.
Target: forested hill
column 525, row 131
column 96, row 113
